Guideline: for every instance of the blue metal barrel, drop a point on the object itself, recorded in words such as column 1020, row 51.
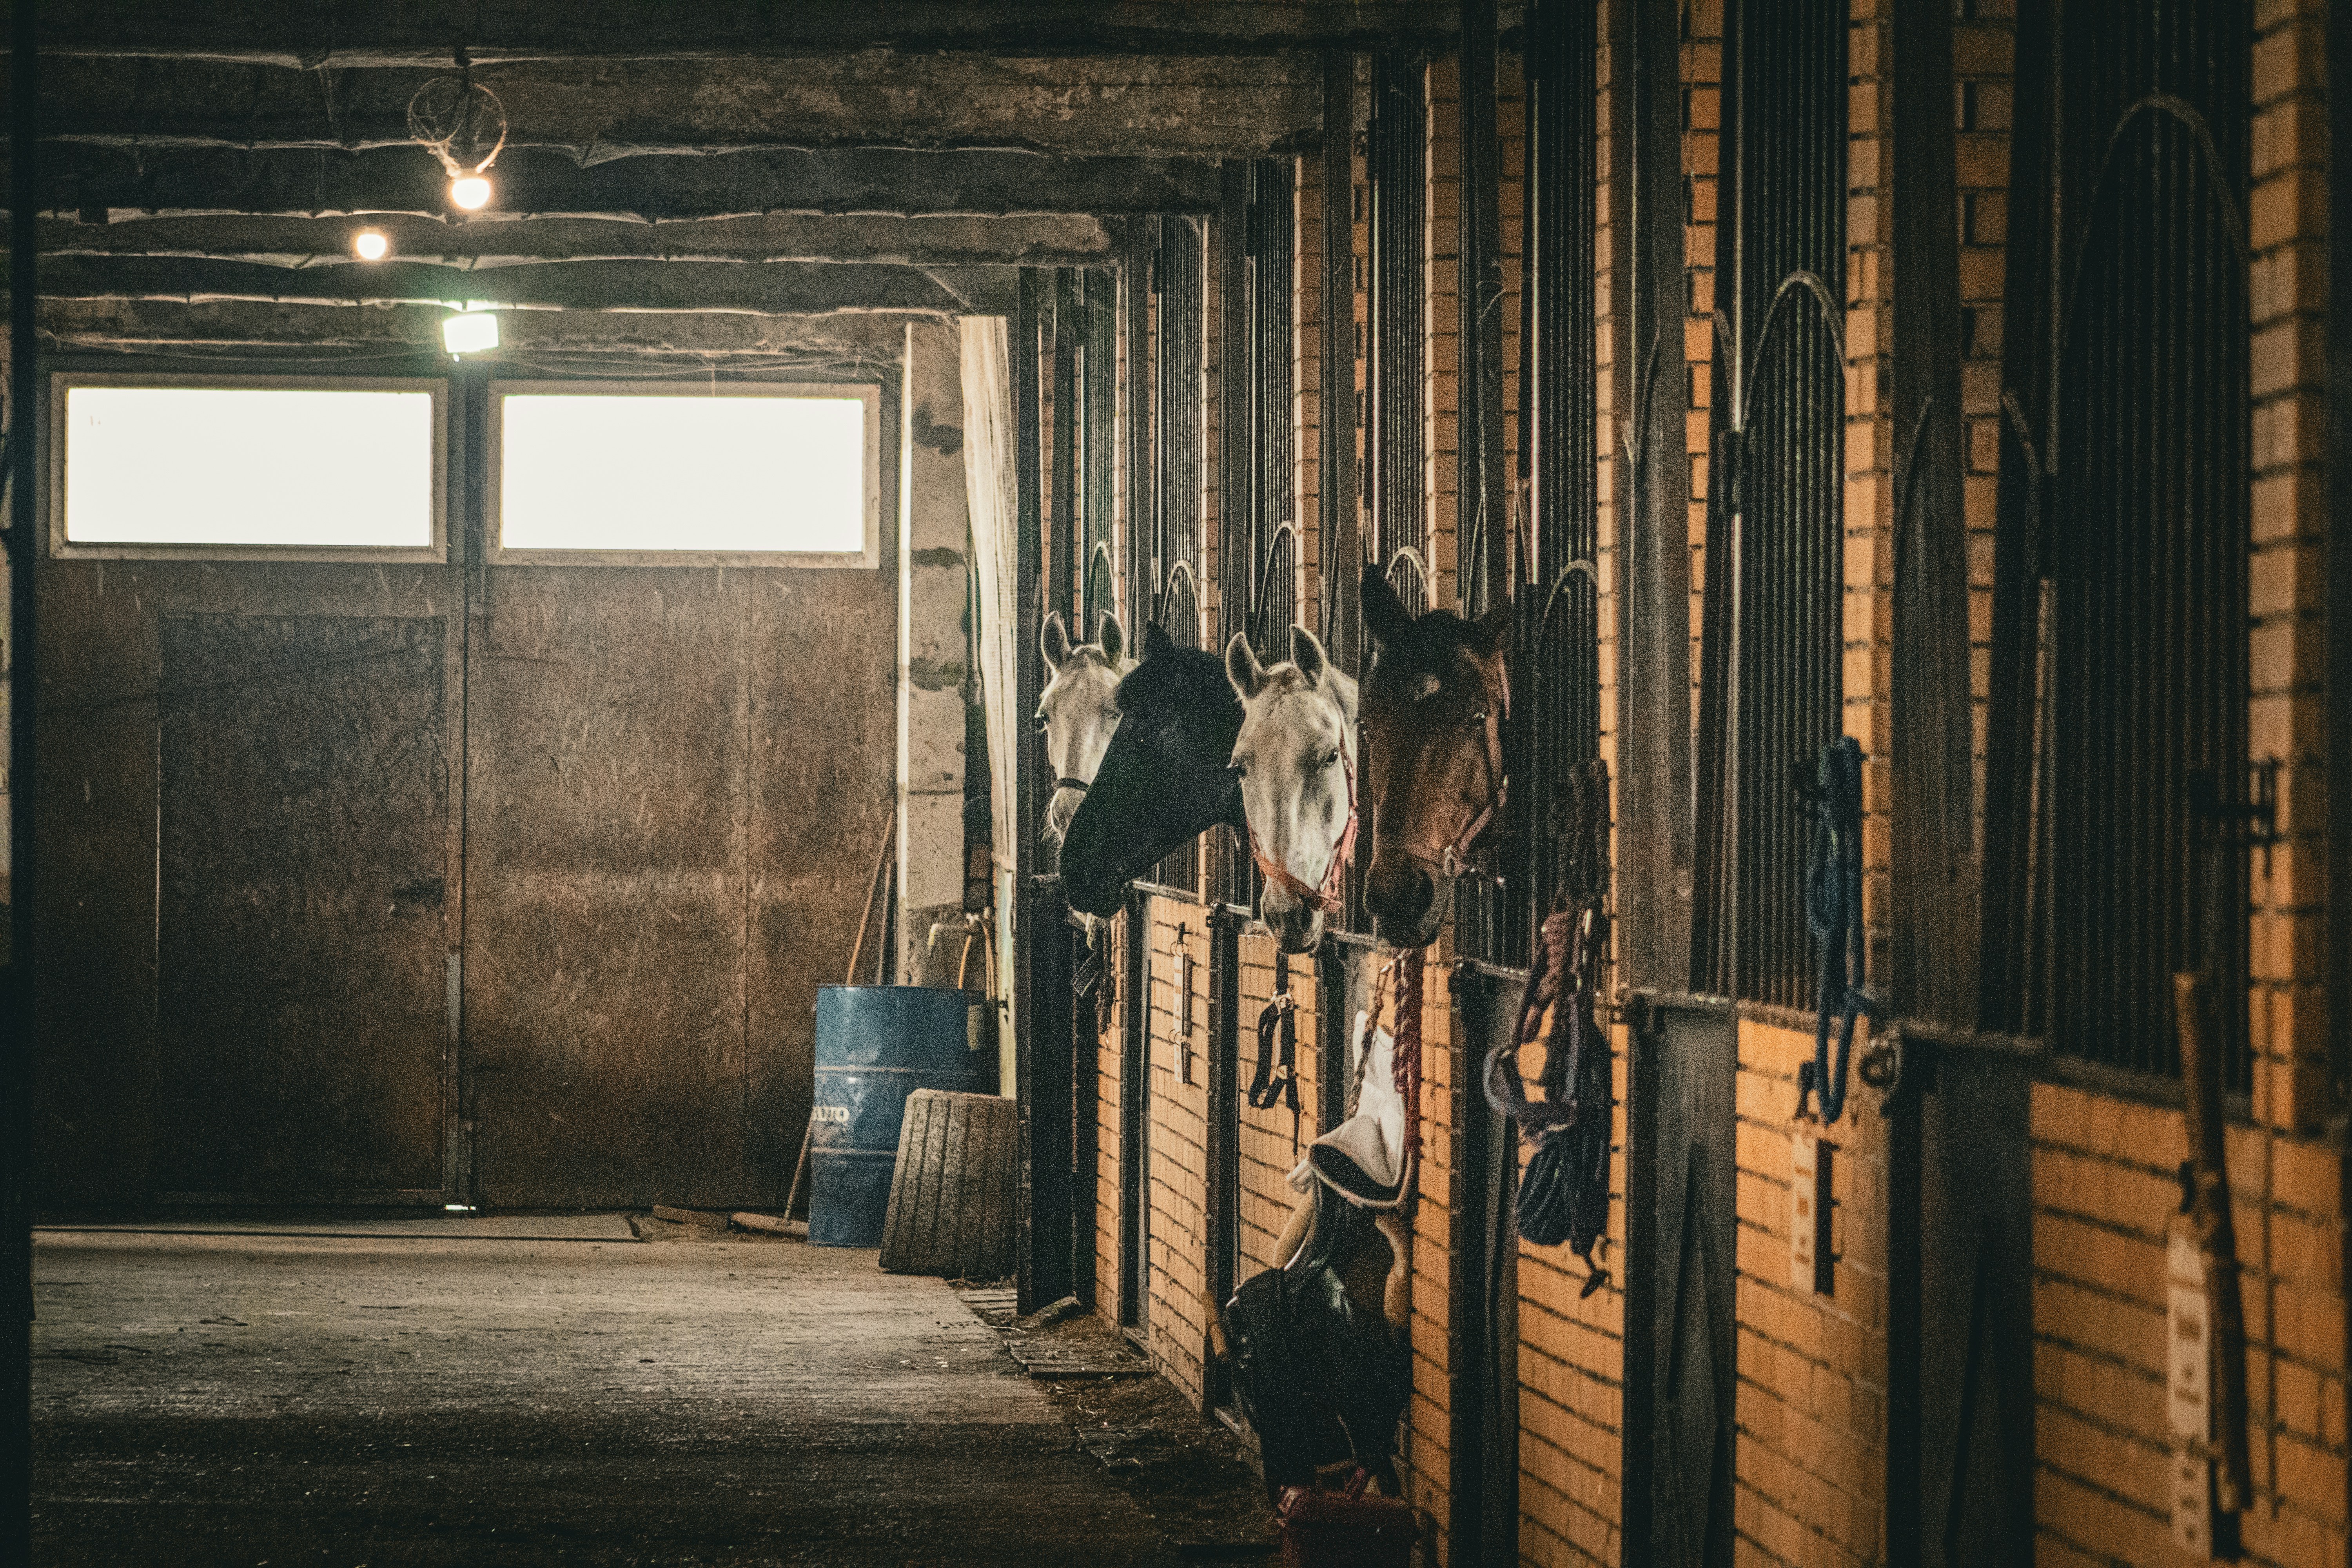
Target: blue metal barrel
column 876, row 1044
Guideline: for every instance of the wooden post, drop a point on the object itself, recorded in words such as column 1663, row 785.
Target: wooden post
column 2216, row 1239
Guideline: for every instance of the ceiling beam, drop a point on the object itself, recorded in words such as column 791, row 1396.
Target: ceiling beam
column 592, row 110
column 535, row 182
column 218, row 329
column 781, row 289
column 1056, row 240
column 424, row 32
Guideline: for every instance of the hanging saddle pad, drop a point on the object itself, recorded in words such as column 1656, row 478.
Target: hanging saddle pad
column 1363, row 1158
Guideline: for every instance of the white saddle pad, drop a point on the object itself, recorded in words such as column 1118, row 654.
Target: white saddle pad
column 1362, row 1159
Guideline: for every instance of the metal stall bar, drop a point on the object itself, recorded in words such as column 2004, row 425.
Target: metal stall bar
column 2339, row 575
column 1065, row 570
column 1400, row 134
column 1339, row 544
column 24, row 524
column 1098, row 408
column 1653, row 708
column 1232, row 878
column 1041, row 948
column 2148, row 446
column 1482, row 1326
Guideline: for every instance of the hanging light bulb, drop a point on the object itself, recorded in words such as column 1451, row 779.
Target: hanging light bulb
column 370, row 244
column 470, row 192
column 471, row 330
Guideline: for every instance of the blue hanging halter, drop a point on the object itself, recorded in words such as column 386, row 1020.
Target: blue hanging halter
column 1833, row 914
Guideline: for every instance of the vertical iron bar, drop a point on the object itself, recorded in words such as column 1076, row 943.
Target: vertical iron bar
column 24, row 523
column 1338, row 545
column 1062, row 334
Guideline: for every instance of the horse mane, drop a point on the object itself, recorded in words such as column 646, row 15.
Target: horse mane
column 1436, row 635
column 1176, row 678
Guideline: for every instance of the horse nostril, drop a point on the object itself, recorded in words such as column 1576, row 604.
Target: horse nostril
column 1401, row 894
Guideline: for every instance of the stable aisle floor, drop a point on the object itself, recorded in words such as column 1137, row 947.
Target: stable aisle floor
column 427, row 1393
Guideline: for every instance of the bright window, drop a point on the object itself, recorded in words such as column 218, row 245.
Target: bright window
column 270, row 467
column 753, row 471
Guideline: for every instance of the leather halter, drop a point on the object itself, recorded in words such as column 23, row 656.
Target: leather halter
column 1077, row 785
column 1454, row 858
column 1325, row 896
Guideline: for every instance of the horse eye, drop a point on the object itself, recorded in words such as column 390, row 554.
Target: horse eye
column 1476, row 719
column 1236, row 769
column 1333, row 759
column 1042, row 723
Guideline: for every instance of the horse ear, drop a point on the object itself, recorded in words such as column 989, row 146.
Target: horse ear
column 1493, row 628
column 1054, row 640
column 1384, row 612
column 1307, row 653
column 1243, row 668
column 1112, row 638
column 1156, row 640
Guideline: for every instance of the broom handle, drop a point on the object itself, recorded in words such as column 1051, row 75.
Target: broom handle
column 873, row 887
column 2217, row 1241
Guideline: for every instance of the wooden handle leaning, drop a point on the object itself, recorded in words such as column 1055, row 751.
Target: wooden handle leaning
column 2216, row 1242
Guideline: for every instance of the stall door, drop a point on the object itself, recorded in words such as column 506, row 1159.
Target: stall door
column 1696, row 1054
column 1976, row 1297
column 302, row 949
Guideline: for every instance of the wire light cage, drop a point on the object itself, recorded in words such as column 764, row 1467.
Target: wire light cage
column 2136, row 631
column 1771, row 689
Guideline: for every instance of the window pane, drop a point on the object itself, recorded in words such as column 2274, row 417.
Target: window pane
column 597, row 471
column 201, row 465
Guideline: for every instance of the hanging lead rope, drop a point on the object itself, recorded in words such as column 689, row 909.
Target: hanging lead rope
column 1564, row 1191
column 1833, row 914
column 1275, row 1083
column 1407, row 966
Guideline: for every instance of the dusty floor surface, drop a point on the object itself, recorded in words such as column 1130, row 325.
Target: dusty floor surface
column 559, row 1393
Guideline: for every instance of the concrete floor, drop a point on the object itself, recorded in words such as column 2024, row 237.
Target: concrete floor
column 436, row 1392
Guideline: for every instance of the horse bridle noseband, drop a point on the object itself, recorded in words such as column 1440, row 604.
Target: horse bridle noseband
column 1325, row 896
column 1077, row 785
column 1454, row 858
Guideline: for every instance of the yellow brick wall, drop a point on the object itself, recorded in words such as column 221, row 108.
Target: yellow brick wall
column 1110, row 1152
column 2103, row 1166
column 1271, row 1145
column 1571, row 1347
column 1181, row 1310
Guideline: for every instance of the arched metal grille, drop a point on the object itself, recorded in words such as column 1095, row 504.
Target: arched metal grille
column 1407, row 573
column 1771, row 688
column 1396, row 154
column 1180, row 324
column 1095, row 299
column 2145, row 534
column 1558, row 657
column 1270, row 249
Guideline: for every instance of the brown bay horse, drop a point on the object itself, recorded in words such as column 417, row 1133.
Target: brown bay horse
column 1433, row 704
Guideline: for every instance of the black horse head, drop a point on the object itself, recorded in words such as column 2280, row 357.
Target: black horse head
column 1165, row 779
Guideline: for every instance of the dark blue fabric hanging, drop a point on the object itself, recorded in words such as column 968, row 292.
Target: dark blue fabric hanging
column 1833, row 914
column 1564, row 1190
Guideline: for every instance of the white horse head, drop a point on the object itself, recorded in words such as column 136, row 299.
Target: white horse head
column 1078, row 711
column 1297, row 757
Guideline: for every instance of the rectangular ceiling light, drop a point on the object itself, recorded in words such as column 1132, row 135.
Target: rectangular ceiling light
column 765, row 471
column 352, row 466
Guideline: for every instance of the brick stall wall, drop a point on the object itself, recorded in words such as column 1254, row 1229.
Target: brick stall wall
column 1181, row 1308
column 1811, row 1450
column 1571, row 1347
column 1271, row 1145
column 2104, row 1165
column 1110, row 1154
